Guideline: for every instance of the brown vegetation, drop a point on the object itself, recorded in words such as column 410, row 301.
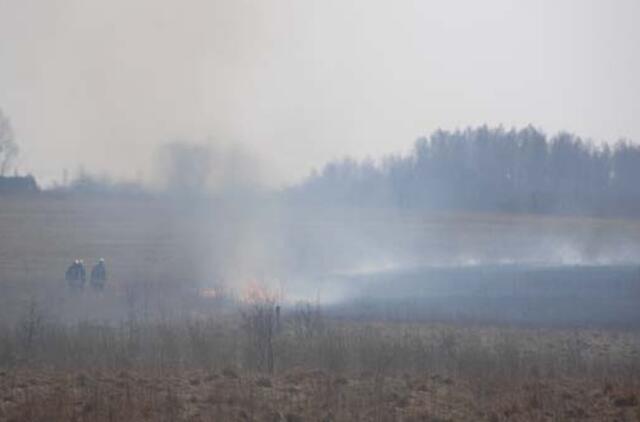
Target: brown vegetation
column 323, row 370
column 150, row 348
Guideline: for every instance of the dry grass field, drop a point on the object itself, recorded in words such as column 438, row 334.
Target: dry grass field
column 151, row 347
column 333, row 372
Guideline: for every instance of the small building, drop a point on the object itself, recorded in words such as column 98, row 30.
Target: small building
column 18, row 185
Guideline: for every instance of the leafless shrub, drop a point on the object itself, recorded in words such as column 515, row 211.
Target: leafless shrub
column 30, row 329
column 169, row 345
column 509, row 354
column 575, row 353
column 331, row 351
column 8, row 352
column 201, row 343
column 306, row 320
column 258, row 323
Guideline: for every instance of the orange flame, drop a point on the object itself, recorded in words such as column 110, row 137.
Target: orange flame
column 256, row 292
column 208, row 293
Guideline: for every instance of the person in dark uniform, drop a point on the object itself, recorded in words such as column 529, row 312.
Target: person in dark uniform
column 71, row 272
column 81, row 271
column 98, row 275
column 75, row 275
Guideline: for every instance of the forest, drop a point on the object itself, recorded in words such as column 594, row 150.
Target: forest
column 487, row 169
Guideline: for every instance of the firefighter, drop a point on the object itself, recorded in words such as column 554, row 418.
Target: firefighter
column 81, row 271
column 74, row 275
column 98, row 275
column 71, row 272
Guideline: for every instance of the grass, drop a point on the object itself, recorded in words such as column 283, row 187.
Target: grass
column 341, row 370
column 150, row 348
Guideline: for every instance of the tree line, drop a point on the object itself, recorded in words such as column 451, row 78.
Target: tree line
column 489, row 170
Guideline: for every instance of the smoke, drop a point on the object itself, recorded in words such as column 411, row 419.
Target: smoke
column 8, row 148
column 276, row 87
column 185, row 168
column 300, row 83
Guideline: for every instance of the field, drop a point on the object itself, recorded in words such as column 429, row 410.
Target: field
column 211, row 370
column 179, row 334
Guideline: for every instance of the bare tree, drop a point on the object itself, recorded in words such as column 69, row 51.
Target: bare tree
column 8, row 147
column 186, row 167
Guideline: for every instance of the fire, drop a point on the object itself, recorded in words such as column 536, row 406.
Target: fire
column 208, row 293
column 256, row 292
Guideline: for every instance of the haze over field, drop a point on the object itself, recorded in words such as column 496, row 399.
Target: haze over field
column 321, row 210
column 295, row 84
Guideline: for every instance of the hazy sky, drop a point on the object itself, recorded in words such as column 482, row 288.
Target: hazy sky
column 103, row 83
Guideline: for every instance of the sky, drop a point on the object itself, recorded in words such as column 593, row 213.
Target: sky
column 292, row 83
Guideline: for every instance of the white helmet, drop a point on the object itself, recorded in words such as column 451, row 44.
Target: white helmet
column 77, row 261
column 101, row 260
